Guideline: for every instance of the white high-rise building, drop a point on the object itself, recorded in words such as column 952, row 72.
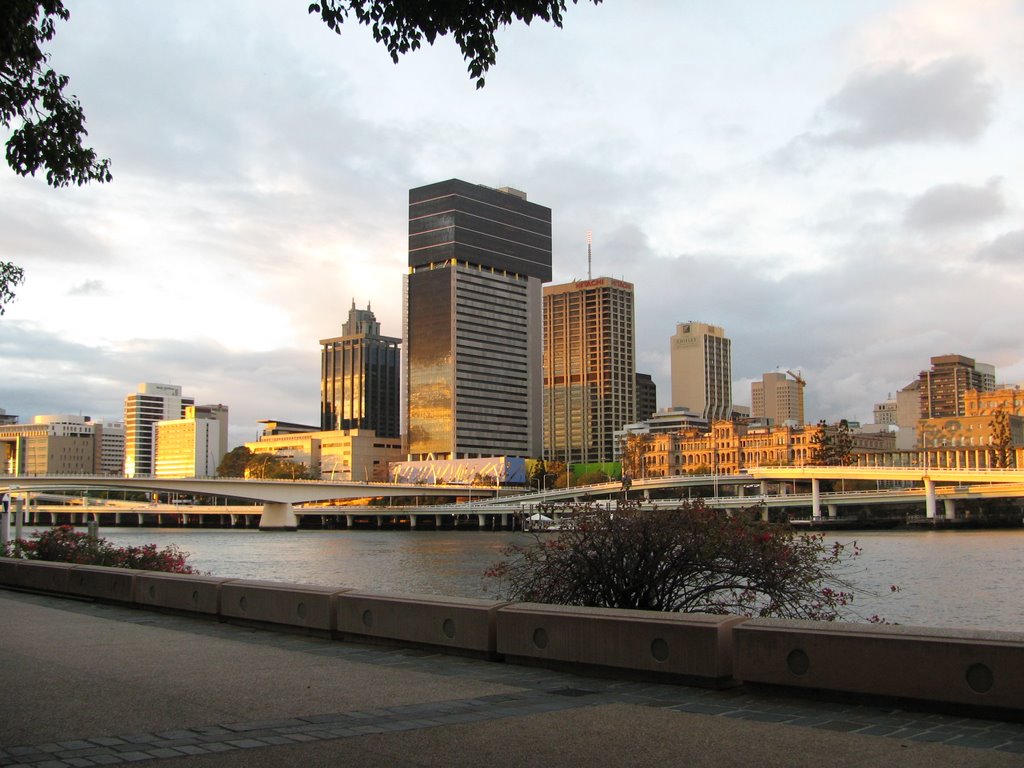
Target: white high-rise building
column 701, row 358
column 142, row 410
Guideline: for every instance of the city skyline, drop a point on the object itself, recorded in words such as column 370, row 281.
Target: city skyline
column 839, row 189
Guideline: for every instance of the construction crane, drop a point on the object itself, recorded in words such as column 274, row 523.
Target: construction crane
column 798, row 378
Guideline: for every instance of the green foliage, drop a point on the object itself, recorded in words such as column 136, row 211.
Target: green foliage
column 833, row 444
column 66, row 545
column 1001, row 449
column 48, row 125
column 689, row 559
column 234, row 462
column 10, row 276
column 403, row 26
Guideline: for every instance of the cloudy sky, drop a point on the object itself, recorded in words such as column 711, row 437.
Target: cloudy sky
column 839, row 185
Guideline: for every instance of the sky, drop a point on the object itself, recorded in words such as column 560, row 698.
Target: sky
column 838, row 185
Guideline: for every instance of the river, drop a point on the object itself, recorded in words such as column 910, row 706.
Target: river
column 968, row 579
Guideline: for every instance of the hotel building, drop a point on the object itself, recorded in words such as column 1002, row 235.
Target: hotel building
column 701, row 358
column 142, row 410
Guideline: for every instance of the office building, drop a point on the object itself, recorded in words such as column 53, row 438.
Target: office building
column 646, row 396
column 359, row 378
column 192, row 446
column 355, row 455
column 61, row 444
column 778, row 400
column 944, row 385
column 472, row 321
column 142, row 410
column 111, row 437
column 589, row 368
column 701, row 358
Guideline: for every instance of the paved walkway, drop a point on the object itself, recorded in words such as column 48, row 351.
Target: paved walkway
column 85, row 684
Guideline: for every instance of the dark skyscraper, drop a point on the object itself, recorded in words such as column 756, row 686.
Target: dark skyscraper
column 359, row 377
column 477, row 258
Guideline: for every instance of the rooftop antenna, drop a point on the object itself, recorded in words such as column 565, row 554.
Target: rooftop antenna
column 590, row 239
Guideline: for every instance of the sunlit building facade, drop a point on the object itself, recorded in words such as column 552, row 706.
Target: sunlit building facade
column 701, row 358
column 192, row 446
column 359, row 378
column 142, row 410
column 589, row 368
column 472, row 321
column 944, row 385
column 63, row 444
column 777, row 400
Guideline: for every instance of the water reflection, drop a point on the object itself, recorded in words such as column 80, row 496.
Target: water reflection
column 953, row 579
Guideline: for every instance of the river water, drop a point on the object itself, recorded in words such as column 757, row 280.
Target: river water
column 968, row 579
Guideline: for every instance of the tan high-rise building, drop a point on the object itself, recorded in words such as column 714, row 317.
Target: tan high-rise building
column 589, row 368
column 702, row 370
column 777, row 399
column 192, row 446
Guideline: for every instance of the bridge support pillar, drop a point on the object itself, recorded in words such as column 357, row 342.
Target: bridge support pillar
column 117, row 518
column 833, row 510
column 437, row 521
column 504, row 520
column 481, row 521
column 412, row 520
column 949, row 508
column 278, row 516
column 764, row 487
column 816, row 498
column 140, row 518
column 764, row 514
column 349, row 519
column 929, row 498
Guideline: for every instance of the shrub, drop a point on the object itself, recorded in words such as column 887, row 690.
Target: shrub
column 64, row 544
column 689, row 559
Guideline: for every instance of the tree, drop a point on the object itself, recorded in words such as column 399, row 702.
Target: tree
column 10, row 276
column 688, row 559
column 403, row 26
column 234, row 462
column 1001, row 449
column 48, row 125
column 634, row 448
column 833, row 444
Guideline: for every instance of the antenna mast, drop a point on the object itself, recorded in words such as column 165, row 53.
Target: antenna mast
column 590, row 239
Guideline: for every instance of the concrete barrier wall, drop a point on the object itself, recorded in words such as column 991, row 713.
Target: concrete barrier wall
column 950, row 666
column 43, row 576
column 296, row 605
column 943, row 665
column 179, row 592
column 695, row 646
column 453, row 623
column 113, row 584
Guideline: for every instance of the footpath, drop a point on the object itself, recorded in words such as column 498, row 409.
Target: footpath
column 87, row 684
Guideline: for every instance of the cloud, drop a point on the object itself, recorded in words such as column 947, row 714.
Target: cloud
column 945, row 100
column 948, row 206
column 1005, row 249
column 88, row 288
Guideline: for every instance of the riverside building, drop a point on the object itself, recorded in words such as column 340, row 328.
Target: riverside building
column 777, row 399
column 472, row 321
column 701, row 358
column 589, row 368
column 945, row 384
column 192, row 446
column 359, row 378
column 142, row 410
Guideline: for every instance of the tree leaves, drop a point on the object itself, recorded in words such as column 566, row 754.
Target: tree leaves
column 402, row 26
column 48, row 126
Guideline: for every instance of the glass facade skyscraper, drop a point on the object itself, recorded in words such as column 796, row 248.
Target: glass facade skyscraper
column 359, row 377
column 472, row 321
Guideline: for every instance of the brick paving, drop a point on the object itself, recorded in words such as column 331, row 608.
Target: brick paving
column 534, row 692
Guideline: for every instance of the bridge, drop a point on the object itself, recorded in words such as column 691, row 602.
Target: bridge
column 277, row 496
